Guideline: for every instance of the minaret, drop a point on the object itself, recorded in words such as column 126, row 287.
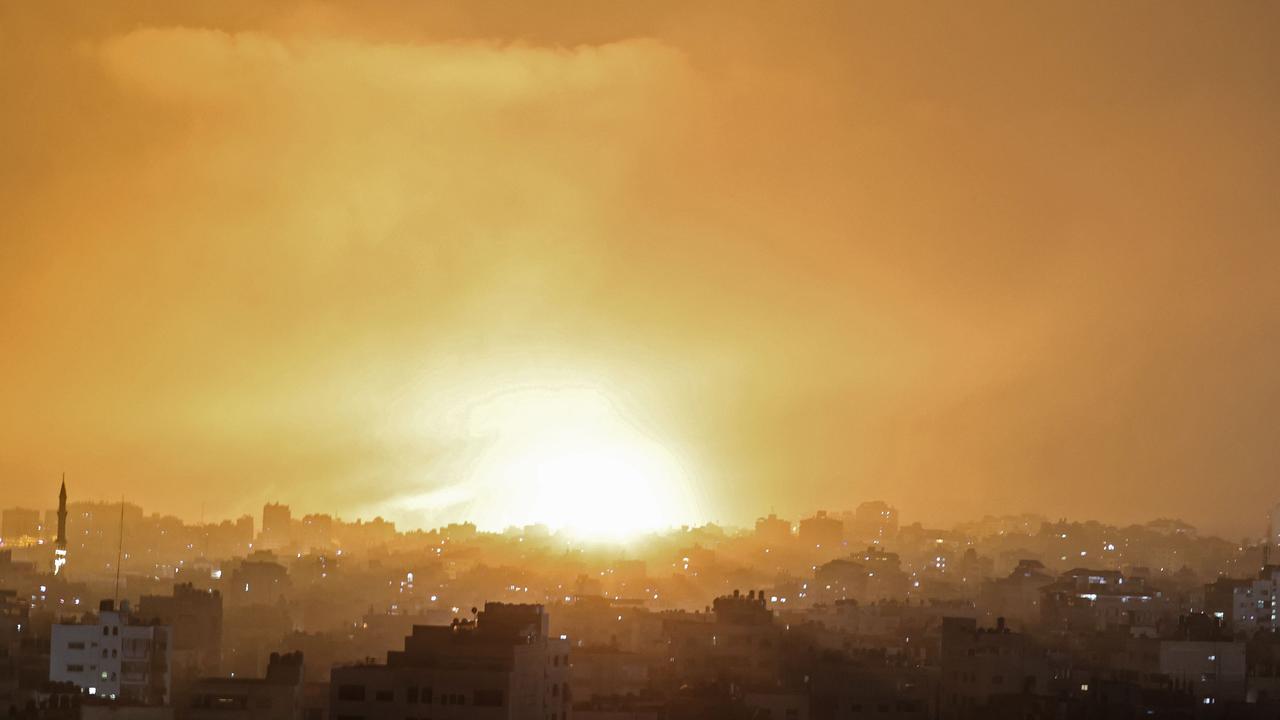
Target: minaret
column 62, row 515
column 60, row 544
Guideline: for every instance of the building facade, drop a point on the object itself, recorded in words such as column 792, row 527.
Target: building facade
column 113, row 656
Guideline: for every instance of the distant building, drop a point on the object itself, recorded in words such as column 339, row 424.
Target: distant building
column 777, row 703
column 608, row 671
column 842, row 688
column 1215, row 670
column 984, row 668
column 885, row 578
column 278, row 696
column 874, row 522
column 773, row 530
column 839, row 579
column 113, row 656
column 738, row 642
column 502, row 665
column 316, row 531
column 1016, row 597
column 195, row 617
column 1087, row 600
column 277, row 526
column 256, row 580
column 1246, row 605
column 19, row 526
column 821, row 530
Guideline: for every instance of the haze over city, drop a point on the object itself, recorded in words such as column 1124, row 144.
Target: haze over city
column 390, row 259
column 619, row 360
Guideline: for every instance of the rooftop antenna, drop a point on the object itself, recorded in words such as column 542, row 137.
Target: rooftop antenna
column 119, row 553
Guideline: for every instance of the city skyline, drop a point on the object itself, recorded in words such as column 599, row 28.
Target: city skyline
column 639, row 360
column 275, row 525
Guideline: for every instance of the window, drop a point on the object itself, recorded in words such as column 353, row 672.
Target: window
column 75, row 668
column 488, row 698
column 411, row 695
column 385, row 696
column 75, row 646
column 353, row 693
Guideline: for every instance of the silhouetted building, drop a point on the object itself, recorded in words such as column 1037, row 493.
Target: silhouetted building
column 277, row 526
column 608, row 671
column 195, row 617
column 278, row 696
column 502, row 665
column 1213, row 669
column 738, row 642
column 874, row 522
column 773, row 530
column 842, row 688
column 1016, row 597
column 982, row 667
column 821, row 530
column 256, row 580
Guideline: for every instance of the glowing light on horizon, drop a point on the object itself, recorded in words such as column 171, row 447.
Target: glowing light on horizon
column 570, row 458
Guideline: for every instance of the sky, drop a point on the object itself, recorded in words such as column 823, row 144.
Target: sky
column 376, row 258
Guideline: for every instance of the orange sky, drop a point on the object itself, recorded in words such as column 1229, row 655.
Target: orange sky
column 970, row 258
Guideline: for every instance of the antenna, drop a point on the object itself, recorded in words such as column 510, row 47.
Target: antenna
column 119, row 552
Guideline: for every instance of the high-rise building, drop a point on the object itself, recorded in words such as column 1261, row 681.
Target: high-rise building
column 503, row 665
column 277, row 523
